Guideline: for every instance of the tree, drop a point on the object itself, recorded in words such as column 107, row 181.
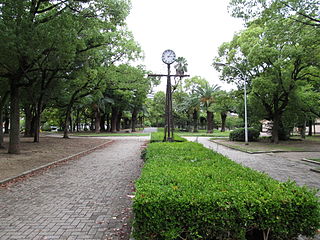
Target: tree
column 206, row 95
column 301, row 11
column 224, row 103
column 277, row 58
column 24, row 26
column 157, row 109
column 181, row 67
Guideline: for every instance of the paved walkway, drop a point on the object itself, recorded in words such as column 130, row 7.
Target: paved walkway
column 281, row 166
column 88, row 198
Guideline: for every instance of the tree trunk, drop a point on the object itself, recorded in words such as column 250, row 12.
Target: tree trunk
column 195, row 121
column 102, row 122
column 134, row 120
column 303, row 131
column 28, row 120
column 67, row 121
column 37, row 121
column 97, row 118
column 275, row 128
column 78, row 121
column 108, row 122
column 14, row 142
column 223, row 121
column 209, row 122
column 118, row 125
column 36, row 137
column 2, row 104
column 114, row 116
column 6, row 121
column 1, row 128
column 310, row 127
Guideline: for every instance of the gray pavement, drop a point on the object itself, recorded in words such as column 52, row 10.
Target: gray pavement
column 88, row 198
column 280, row 166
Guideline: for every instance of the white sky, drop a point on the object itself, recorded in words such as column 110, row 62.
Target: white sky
column 192, row 29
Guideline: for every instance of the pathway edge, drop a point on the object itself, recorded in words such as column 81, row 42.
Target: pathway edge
column 56, row 162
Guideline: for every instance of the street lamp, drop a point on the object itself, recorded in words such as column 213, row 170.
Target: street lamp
column 219, row 64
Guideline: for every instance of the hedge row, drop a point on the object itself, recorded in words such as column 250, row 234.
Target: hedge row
column 239, row 135
column 159, row 136
column 189, row 192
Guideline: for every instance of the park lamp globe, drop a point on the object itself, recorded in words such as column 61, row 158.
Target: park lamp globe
column 220, row 64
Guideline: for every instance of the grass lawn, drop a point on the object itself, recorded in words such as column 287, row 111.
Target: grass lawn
column 200, row 133
column 311, row 138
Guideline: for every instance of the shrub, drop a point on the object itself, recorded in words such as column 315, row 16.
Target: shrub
column 239, row 134
column 159, row 136
column 189, row 192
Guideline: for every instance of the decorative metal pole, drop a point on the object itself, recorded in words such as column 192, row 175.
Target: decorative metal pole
column 168, row 57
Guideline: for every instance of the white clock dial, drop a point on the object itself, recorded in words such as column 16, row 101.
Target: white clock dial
column 168, row 56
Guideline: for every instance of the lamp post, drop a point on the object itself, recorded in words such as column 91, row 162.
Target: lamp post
column 245, row 98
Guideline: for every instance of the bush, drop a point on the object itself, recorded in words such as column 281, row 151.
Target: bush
column 239, row 135
column 159, row 136
column 189, row 192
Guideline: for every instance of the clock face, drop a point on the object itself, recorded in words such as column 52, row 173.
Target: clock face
column 168, row 56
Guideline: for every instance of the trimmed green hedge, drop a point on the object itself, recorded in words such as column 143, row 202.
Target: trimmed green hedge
column 159, row 136
column 239, row 135
column 189, row 192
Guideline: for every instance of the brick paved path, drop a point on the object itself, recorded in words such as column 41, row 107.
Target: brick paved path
column 280, row 166
column 88, row 198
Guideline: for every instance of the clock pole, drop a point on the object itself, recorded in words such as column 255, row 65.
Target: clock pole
column 168, row 57
column 169, row 119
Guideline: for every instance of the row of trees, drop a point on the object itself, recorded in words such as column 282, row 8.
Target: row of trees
column 196, row 99
column 69, row 56
column 279, row 53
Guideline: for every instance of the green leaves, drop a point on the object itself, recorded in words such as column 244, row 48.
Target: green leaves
column 187, row 191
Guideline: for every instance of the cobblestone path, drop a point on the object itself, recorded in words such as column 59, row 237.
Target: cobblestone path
column 280, row 166
column 88, row 198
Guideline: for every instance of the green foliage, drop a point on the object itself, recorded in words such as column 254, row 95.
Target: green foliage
column 159, row 136
column 189, row 192
column 239, row 134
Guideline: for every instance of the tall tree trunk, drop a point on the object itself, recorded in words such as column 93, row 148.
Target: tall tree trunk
column 303, row 130
column 209, row 122
column 275, row 128
column 6, row 121
column 67, row 120
column 118, row 125
column 195, row 121
column 2, row 104
column 114, row 116
column 223, row 121
column 78, row 120
column 14, row 142
column 97, row 118
column 28, row 120
column 1, row 128
column 310, row 127
column 36, row 137
column 134, row 120
column 108, row 122
column 103, row 122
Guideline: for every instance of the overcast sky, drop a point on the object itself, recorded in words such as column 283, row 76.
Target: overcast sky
column 193, row 29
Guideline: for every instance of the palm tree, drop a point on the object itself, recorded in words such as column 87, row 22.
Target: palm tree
column 181, row 67
column 206, row 94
